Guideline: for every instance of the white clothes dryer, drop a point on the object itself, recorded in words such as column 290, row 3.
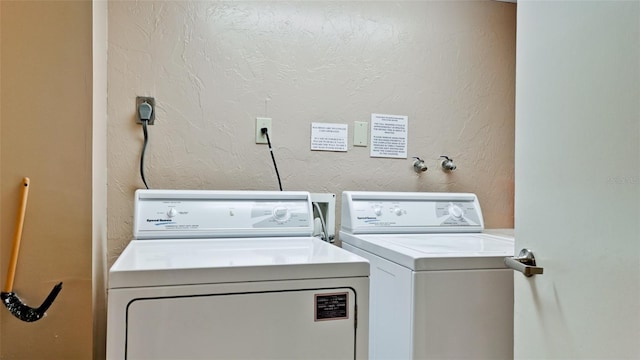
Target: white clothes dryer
column 234, row 275
column 439, row 286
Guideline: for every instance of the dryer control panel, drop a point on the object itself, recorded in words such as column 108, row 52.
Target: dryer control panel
column 204, row 213
column 410, row 212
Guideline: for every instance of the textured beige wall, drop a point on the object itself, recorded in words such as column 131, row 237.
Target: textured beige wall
column 214, row 66
column 46, row 135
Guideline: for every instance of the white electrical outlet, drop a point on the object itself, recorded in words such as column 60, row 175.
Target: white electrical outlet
column 262, row 122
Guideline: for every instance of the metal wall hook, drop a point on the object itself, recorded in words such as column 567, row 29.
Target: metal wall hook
column 525, row 262
column 447, row 163
column 419, row 165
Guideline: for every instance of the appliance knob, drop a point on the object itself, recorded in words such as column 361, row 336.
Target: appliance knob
column 172, row 212
column 456, row 211
column 398, row 211
column 281, row 214
column 377, row 210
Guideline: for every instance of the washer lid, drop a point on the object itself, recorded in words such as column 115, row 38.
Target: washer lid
column 208, row 261
column 437, row 251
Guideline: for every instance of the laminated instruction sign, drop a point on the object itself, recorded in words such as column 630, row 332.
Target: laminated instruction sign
column 389, row 136
column 329, row 137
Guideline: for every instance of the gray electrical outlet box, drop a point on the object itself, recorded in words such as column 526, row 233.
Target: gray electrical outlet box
column 149, row 100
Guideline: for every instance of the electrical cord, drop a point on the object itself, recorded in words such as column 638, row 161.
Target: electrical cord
column 144, row 111
column 144, row 149
column 324, row 225
column 266, row 133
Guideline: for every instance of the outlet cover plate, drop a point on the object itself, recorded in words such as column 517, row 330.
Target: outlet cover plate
column 360, row 131
column 262, row 122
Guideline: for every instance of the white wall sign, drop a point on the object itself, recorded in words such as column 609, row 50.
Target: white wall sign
column 389, row 136
column 329, row 137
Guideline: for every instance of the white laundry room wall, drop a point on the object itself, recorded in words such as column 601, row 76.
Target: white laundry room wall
column 213, row 67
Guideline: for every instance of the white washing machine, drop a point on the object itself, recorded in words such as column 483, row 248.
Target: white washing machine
column 439, row 286
column 234, row 275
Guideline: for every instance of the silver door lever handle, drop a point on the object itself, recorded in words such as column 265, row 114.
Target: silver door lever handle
column 525, row 262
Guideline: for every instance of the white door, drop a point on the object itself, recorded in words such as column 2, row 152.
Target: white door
column 249, row 325
column 577, row 179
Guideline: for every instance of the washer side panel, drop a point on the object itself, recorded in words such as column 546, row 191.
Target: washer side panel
column 463, row 314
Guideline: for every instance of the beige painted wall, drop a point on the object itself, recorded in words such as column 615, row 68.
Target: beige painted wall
column 2, row 251
column 46, row 134
column 213, row 67
column 99, row 174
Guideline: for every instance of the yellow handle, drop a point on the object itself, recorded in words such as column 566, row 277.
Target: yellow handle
column 13, row 262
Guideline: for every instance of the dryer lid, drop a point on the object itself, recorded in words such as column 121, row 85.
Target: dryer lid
column 172, row 262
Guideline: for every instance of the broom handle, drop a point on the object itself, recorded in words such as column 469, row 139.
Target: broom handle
column 13, row 262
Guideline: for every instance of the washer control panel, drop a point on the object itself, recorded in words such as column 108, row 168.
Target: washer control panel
column 389, row 212
column 201, row 213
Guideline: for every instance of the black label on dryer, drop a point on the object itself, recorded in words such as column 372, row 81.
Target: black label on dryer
column 334, row 306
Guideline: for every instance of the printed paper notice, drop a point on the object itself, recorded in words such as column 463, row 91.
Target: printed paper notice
column 389, row 136
column 329, row 137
